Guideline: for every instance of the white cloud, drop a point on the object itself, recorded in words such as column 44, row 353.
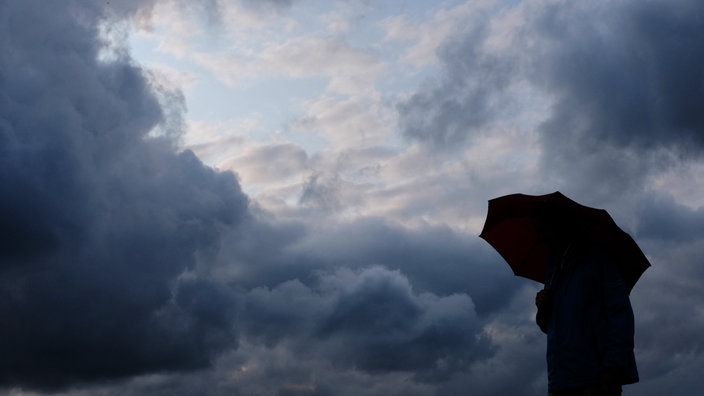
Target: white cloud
column 172, row 25
column 349, row 122
column 350, row 69
column 216, row 142
column 426, row 36
column 269, row 167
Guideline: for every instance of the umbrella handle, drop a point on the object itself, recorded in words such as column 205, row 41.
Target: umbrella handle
column 560, row 267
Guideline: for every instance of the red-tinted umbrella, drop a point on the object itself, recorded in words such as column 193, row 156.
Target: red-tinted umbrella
column 516, row 226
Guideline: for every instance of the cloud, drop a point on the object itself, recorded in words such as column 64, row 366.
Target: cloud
column 128, row 266
column 425, row 256
column 445, row 112
column 346, row 68
column 662, row 218
column 100, row 219
column 619, row 88
column 268, row 3
column 369, row 319
column 622, row 88
column 318, row 305
column 427, row 35
column 628, row 78
column 617, row 84
column 356, row 122
column 378, row 324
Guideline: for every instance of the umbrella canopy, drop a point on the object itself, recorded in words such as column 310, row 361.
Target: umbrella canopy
column 523, row 228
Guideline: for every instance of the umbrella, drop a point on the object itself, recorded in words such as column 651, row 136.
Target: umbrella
column 516, row 226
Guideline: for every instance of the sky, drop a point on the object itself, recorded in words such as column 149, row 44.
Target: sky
column 283, row 197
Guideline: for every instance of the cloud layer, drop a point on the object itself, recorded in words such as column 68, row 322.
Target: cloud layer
column 129, row 266
column 623, row 89
column 101, row 222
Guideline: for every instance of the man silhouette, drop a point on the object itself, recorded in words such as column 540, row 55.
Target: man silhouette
column 585, row 311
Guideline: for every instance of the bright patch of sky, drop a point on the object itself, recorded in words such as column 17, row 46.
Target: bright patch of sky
column 313, row 87
column 245, row 64
column 319, row 77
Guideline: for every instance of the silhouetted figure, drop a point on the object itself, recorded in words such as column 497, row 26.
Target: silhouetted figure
column 586, row 313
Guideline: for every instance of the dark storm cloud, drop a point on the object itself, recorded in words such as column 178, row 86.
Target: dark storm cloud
column 670, row 326
column 633, row 78
column 99, row 220
column 372, row 320
column 366, row 296
column 625, row 89
column 438, row 260
column 381, row 325
column 625, row 80
column 662, row 218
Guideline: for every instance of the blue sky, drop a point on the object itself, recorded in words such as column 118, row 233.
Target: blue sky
column 283, row 197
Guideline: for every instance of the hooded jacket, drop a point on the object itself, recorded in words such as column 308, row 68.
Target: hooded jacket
column 588, row 320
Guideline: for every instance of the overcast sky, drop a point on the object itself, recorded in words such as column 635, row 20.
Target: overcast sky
column 283, row 197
